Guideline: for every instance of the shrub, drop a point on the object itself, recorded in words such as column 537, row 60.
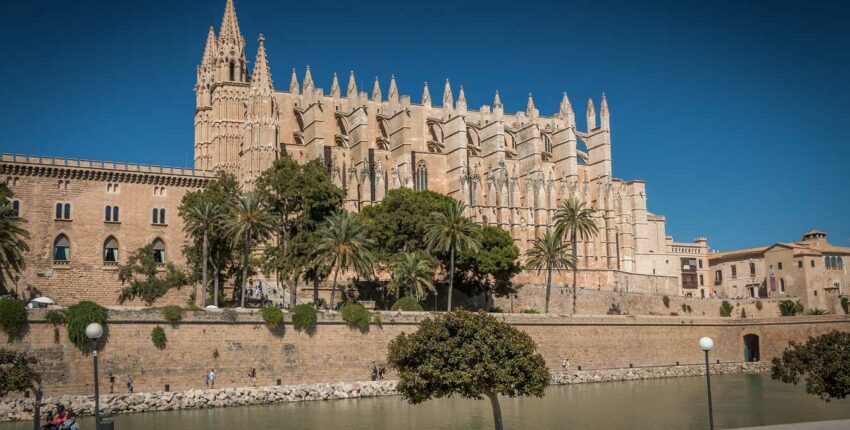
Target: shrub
column 81, row 315
column 788, row 308
column 725, row 309
column 229, row 315
column 759, row 305
column 304, row 317
column 530, row 311
column 496, row 310
column 816, row 311
column 666, row 301
column 272, row 316
column 158, row 337
column 377, row 320
column 172, row 313
column 845, row 304
column 408, row 304
column 355, row 315
column 56, row 318
column 13, row 316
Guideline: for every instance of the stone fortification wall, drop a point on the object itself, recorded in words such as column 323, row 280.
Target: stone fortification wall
column 336, row 353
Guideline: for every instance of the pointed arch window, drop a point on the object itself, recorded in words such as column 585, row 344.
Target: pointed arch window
column 232, row 70
column 16, row 208
column 110, row 250
column 61, row 249
column 435, row 138
column 155, row 216
column 63, row 210
column 162, row 216
column 421, row 182
column 473, row 141
column 158, row 251
column 547, row 142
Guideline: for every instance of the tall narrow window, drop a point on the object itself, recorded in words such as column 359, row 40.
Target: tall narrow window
column 781, row 285
column 752, row 269
column 734, row 271
column 162, row 216
column 61, row 249
column 110, row 250
column 16, row 207
column 840, row 264
column 58, row 210
column 115, row 214
column 158, row 251
column 67, row 212
column 155, row 216
column 421, row 176
column 107, row 216
column 232, row 71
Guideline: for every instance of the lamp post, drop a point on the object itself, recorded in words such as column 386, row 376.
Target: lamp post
column 94, row 331
column 706, row 344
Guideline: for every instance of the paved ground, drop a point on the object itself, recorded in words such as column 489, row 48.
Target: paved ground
column 817, row 425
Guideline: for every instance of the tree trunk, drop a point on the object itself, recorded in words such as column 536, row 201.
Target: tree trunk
column 548, row 285
column 497, row 411
column 245, row 266
column 36, row 406
column 316, row 293
column 451, row 274
column 204, row 284
column 333, row 289
column 575, row 272
column 215, row 283
column 293, row 293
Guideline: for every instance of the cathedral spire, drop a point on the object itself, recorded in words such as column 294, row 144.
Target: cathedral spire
column 604, row 115
column 448, row 99
column 261, row 79
column 376, row 91
column 229, row 31
column 392, row 93
column 566, row 111
column 529, row 107
column 426, row 96
column 461, row 100
column 497, row 100
column 209, row 49
column 591, row 115
column 335, row 90
column 308, row 81
column 351, row 91
column 293, row 82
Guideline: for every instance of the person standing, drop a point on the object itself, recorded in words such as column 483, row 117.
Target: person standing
column 206, row 380
column 111, row 384
column 71, row 422
column 130, row 387
column 252, row 375
column 211, row 378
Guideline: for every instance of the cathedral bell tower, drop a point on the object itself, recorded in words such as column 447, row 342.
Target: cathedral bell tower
column 262, row 122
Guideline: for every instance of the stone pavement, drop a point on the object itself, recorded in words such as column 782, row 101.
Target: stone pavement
column 817, row 425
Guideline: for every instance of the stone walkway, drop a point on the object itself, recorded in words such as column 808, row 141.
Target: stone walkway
column 817, row 425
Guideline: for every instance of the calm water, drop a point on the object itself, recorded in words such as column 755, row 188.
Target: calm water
column 739, row 400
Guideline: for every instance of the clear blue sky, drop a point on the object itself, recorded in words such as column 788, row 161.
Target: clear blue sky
column 736, row 113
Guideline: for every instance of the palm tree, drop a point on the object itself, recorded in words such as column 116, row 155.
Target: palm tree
column 343, row 245
column 576, row 221
column 550, row 253
column 410, row 270
column 451, row 231
column 203, row 220
column 250, row 221
column 12, row 242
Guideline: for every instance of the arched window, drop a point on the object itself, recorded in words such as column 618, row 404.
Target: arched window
column 158, row 251
column 16, row 207
column 61, row 249
column 162, row 216
column 110, row 250
column 67, row 213
column 155, row 216
column 107, row 216
column 840, row 264
column 232, row 71
column 421, row 182
column 547, row 142
column 826, row 262
column 115, row 214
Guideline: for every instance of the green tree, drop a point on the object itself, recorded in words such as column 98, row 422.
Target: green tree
column 249, row 222
column 492, row 267
column 412, row 271
column 472, row 355
column 18, row 373
column 343, row 245
column 451, row 231
column 824, row 361
column 202, row 221
column 549, row 253
column 13, row 243
column 145, row 280
column 300, row 196
column 222, row 194
column 574, row 221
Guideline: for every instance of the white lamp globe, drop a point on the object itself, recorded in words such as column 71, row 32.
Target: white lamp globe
column 94, row 331
column 706, row 343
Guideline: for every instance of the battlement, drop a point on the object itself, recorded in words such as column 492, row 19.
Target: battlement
column 104, row 165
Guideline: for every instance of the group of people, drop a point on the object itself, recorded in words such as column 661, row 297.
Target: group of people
column 209, row 379
column 378, row 371
column 62, row 419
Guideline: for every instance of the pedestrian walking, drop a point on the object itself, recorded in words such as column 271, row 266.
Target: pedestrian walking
column 211, row 378
column 206, row 380
column 130, row 387
column 111, row 383
column 252, row 375
column 374, row 371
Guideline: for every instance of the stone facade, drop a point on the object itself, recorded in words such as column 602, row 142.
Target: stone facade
column 812, row 269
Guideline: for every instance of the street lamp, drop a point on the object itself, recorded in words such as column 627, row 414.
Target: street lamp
column 94, row 331
column 706, row 344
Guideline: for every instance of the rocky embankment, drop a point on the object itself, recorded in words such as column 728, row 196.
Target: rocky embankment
column 21, row 408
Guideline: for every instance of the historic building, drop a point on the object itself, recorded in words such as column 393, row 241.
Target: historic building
column 811, row 269
column 513, row 170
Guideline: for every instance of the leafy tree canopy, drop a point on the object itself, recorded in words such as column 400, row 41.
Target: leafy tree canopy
column 142, row 274
column 491, row 268
column 17, row 372
column 824, row 361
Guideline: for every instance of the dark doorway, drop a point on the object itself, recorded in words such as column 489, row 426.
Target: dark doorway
column 751, row 347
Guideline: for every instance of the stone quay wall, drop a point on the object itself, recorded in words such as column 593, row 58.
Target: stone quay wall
column 18, row 409
column 233, row 342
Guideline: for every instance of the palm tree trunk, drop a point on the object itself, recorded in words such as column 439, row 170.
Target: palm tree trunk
column 316, row 293
column 497, row 410
column 333, row 289
column 245, row 266
column 451, row 274
column 575, row 272
column 548, row 285
column 205, row 253
column 215, row 283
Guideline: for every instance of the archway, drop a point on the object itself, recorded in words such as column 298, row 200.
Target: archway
column 751, row 348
